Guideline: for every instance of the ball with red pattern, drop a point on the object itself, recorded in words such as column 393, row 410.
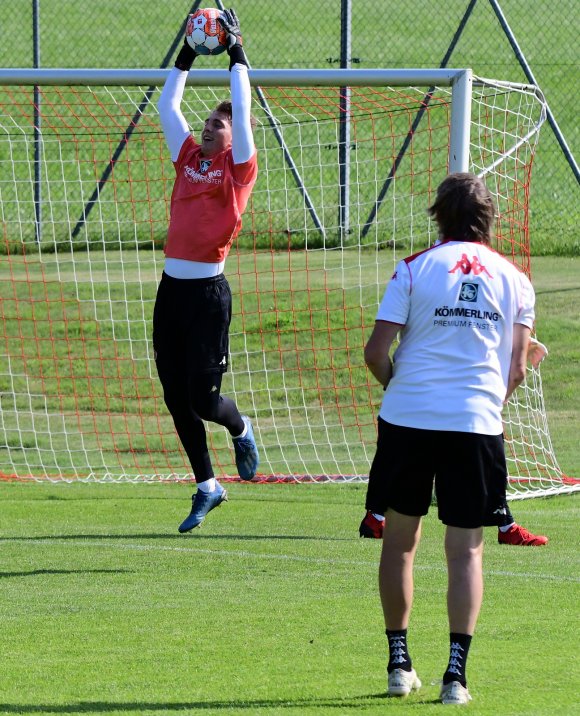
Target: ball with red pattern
column 203, row 32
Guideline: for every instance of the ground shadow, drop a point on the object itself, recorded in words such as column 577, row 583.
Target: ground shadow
column 139, row 707
column 194, row 534
column 550, row 291
column 42, row 572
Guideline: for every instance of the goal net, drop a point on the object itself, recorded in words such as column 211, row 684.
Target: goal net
column 346, row 174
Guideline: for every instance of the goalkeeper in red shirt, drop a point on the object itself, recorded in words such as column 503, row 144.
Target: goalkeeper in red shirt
column 193, row 308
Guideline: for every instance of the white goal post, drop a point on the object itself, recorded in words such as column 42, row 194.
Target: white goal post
column 85, row 181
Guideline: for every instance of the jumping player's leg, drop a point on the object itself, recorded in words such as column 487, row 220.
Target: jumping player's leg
column 188, row 423
column 208, row 354
column 214, row 407
column 208, row 402
column 173, row 368
column 191, row 340
column 172, row 330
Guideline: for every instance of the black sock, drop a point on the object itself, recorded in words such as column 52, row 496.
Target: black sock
column 398, row 654
column 458, row 650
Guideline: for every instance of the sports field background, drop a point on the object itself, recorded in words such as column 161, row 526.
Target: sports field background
column 272, row 607
column 394, row 34
column 105, row 34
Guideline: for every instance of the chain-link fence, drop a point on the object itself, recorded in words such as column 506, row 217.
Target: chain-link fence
column 457, row 33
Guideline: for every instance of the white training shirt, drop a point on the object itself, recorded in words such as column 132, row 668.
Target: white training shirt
column 458, row 302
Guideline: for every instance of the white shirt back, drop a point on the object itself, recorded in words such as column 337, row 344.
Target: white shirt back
column 458, row 302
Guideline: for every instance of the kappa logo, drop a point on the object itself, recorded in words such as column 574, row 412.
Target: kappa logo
column 469, row 292
column 223, row 361
column 204, row 165
column 466, row 266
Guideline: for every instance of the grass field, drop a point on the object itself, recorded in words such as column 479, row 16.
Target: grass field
column 557, row 285
column 270, row 608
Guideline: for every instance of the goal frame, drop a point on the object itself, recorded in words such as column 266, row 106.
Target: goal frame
column 460, row 81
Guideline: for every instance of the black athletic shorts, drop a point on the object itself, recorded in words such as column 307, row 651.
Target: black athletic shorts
column 468, row 469
column 191, row 322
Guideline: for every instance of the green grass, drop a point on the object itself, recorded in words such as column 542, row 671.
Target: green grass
column 271, row 608
column 557, row 285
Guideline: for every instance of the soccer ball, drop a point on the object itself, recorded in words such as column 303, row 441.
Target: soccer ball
column 203, row 32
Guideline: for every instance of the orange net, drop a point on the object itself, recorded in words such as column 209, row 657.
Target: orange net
column 341, row 196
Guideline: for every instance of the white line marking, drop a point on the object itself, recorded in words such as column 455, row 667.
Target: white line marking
column 284, row 557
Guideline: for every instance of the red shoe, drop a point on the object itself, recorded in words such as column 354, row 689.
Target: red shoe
column 371, row 527
column 519, row 535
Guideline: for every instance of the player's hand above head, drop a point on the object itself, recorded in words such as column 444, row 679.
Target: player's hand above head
column 187, row 53
column 231, row 25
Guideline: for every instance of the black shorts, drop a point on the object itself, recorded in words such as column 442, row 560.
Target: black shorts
column 468, row 469
column 191, row 322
